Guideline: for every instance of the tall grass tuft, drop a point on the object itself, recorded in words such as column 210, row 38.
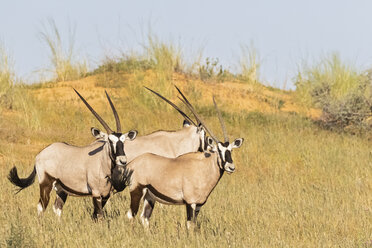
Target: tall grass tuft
column 249, row 64
column 64, row 61
column 166, row 57
column 7, row 76
column 340, row 90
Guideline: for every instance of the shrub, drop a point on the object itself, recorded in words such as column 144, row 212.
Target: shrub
column 213, row 70
column 343, row 94
column 126, row 64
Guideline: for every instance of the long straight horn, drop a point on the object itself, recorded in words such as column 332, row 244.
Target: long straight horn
column 221, row 121
column 118, row 125
column 173, row 105
column 186, row 102
column 201, row 121
column 104, row 124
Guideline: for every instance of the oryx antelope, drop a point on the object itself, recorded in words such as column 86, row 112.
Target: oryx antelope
column 78, row 171
column 171, row 144
column 186, row 180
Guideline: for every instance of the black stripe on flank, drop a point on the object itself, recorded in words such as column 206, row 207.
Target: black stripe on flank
column 161, row 196
column 69, row 190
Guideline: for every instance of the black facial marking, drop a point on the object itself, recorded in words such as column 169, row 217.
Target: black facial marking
column 120, row 148
column 207, row 155
column 119, row 151
column 205, row 143
column 220, row 155
column 228, row 158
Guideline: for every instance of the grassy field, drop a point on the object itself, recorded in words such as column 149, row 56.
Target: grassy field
column 296, row 185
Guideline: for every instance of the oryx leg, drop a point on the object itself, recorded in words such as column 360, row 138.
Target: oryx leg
column 98, row 212
column 135, row 198
column 148, row 207
column 45, row 188
column 104, row 200
column 59, row 202
column 192, row 211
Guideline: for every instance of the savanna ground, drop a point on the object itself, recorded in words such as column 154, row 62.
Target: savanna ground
column 296, row 184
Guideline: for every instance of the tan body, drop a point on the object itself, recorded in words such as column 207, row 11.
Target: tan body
column 186, row 180
column 85, row 171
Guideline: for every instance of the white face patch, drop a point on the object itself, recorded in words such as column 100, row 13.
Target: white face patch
column 113, row 138
column 122, row 138
column 223, row 151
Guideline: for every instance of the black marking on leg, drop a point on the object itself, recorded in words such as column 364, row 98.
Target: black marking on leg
column 105, row 199
column 61, row 200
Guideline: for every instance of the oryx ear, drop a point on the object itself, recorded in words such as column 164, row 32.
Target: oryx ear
column 132, row 134
column 98, row 134
column 237, row 143
column 200, row 128
column 186, row 123
column 209, row 141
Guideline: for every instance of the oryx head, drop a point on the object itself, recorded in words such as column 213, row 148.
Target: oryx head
column 116, row 139
column 116, row 143
column 204, row 142
column 223, row 149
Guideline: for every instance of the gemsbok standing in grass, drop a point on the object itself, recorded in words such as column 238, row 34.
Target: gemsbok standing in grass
column 186, row 180
column 79, row 171
column 171, row 144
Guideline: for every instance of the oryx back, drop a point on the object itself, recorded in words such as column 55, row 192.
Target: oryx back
column 170, row 144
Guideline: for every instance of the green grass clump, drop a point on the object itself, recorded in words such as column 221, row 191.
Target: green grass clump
column 343, row 93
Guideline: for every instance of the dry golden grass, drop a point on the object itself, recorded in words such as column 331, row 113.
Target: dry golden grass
column 296, row 185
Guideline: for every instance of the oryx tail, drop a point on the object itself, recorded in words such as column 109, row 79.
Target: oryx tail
column 21, row 183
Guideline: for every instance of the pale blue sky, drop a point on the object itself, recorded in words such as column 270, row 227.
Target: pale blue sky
column 283, row 31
